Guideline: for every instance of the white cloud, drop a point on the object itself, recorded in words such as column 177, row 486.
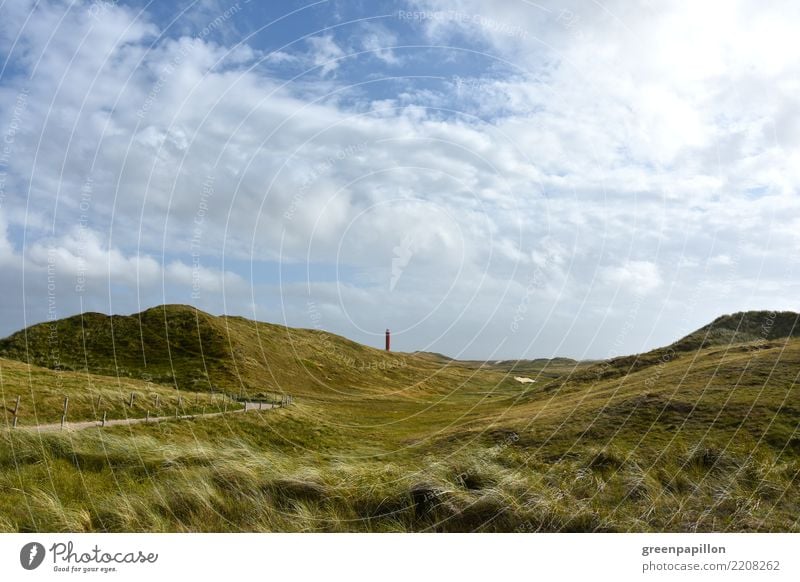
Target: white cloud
column 6, row 247
column 634, row 276
column 724, row 260
column 625, row 147
column 326, row 54
column 379, row 40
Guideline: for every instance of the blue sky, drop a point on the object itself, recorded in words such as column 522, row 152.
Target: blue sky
column 490, row 181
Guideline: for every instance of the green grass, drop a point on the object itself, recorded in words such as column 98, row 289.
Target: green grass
column 184, row 348
column 703, row 440
column 41, row 395
column 215, row 476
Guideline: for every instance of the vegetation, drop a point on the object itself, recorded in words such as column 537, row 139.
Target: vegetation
column 679, row 439
column 181, row 347
column 41, row 394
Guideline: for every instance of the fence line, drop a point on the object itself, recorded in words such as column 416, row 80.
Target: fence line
column 247, row 405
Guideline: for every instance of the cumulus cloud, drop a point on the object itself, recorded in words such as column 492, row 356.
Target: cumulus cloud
column 326, row 54
column 379, row 41
column 634, row 276
column 584, row 153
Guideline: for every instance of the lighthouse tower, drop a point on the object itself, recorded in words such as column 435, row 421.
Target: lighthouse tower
column 388, row 340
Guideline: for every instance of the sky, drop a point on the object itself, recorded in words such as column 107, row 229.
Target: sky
column 499, row 180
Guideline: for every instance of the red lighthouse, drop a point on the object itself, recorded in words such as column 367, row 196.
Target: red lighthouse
column 388, row 340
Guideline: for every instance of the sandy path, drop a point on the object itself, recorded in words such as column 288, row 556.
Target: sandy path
column 248, row 406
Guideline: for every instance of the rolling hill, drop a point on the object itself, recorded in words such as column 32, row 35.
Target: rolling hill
column 41, row 393
column 188, row 349
column 750, row 330
column 754, row 327
column 702, row 435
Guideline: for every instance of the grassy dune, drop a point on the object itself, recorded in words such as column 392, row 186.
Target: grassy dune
column 703, row 440
column 42, row 391
column 187, row 349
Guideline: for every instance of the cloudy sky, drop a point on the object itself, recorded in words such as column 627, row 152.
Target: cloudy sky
column 503, row 180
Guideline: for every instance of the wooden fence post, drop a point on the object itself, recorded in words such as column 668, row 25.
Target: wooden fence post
column 104, row 418
column 147, row 416
column 64, row 414
column 157, row 400
column 130, row 402
column 16, row 411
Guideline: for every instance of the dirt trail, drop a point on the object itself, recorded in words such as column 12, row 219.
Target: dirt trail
column 56, row 426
